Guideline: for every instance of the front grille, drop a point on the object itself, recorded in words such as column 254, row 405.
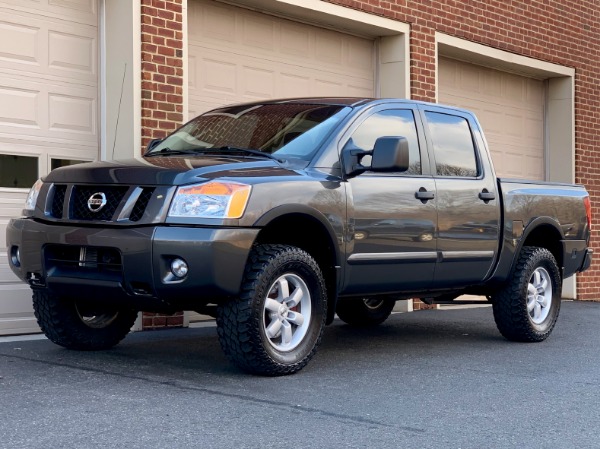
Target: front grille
column 58, row 201
column 81, row 195
column 140, row 205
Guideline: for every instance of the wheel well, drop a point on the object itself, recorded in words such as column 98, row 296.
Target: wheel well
column 546, row 236
column 309, row 234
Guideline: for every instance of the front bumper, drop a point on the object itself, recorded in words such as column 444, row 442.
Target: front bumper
column 131, row 266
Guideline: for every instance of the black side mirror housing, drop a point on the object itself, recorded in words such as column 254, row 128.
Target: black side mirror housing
column 351, row 158
column 390, row 154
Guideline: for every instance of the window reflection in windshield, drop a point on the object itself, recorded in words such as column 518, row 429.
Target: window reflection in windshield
column 288, row 130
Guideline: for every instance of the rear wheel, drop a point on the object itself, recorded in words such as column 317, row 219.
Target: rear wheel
column 527, row 308
column 276, row 324
column 76, row 324
column 365, row 312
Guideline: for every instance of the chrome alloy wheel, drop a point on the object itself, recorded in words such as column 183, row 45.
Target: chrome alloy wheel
column 373, row 303
column 539, row 295
column 96, row 321
column 287, row 312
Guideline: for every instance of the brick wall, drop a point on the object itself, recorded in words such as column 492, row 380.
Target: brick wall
column 559, row 31
column 162, row 68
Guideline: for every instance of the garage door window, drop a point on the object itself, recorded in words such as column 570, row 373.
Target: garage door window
column 57, row 163
column 452, row 145
column 18, row 172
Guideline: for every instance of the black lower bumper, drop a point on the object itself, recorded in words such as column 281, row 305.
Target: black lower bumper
column 131, row 266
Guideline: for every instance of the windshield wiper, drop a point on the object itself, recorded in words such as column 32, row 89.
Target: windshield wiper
column 247, row 151
column 167, row 152
column 218, row 150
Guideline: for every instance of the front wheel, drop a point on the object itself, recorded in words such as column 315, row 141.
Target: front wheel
column 276, row 324
column 527, row 308
column 75, row 324
column 365, row 312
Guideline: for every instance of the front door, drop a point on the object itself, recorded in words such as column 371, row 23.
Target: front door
column 392, row 243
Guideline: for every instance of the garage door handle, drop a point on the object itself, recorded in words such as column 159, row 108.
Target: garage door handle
column 424, row 195
column 486, row 196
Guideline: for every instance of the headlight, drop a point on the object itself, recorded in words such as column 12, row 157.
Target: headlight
column 211, row 200
column 33, row 194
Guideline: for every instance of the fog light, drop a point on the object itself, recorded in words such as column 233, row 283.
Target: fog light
column 179, row 268
column 15, row 256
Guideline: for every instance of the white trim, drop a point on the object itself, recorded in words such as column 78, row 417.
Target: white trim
column 137, row 77
column 186, row 76
column 328, row 15
column 102, row 78
column 456, row 48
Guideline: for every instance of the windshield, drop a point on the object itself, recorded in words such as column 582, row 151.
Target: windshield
column 286, row 130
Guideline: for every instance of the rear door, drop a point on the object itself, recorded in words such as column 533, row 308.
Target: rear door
column 392, row 244
column 468, row 203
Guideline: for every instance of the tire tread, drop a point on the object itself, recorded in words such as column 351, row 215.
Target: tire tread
column 238, row 320
column 510, row 306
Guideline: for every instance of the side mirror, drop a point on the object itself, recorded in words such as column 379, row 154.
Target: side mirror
column 390, row 154
column 152, row 144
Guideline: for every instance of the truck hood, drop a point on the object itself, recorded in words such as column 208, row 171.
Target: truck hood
column 172, row 170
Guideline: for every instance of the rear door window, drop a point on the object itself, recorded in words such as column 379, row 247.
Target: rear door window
column 453, row 146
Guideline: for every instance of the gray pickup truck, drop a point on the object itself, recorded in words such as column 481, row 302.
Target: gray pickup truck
column 275, row 216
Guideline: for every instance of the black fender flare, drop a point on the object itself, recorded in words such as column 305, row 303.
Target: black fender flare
column 302, row 209
column 507, row 261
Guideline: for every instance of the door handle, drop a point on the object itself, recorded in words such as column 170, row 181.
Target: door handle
column 424, row 195
column 486, row 196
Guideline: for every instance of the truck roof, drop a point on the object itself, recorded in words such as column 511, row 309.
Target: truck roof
column 347, row 101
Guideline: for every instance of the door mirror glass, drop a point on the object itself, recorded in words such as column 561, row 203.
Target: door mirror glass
column 390, row 154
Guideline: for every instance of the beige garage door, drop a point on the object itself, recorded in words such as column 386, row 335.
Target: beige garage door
column 48, row 113
column 511, row 111
column 237, row 55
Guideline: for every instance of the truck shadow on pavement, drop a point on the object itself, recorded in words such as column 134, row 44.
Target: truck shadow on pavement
column 194, row 354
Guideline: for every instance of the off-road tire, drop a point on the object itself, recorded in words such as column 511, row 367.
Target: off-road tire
column 513, row 319
column 365, row 312
column 64, row 325
column 242, row 323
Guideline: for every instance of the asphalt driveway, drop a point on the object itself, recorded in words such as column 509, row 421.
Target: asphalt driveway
column 429, row 379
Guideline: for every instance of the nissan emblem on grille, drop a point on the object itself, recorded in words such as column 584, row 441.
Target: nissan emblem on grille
column 96, row 202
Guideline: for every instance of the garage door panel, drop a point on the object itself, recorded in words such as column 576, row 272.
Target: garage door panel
column 261, row 57
column 47, row 47
column 80, row 11
column 258, row 32
column 510, row 108
column 258, row 83
column 19, row 43
column 295, row 40
column 38, row 108
column 70, row 53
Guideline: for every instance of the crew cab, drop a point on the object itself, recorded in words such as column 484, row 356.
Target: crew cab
column 276, row 216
